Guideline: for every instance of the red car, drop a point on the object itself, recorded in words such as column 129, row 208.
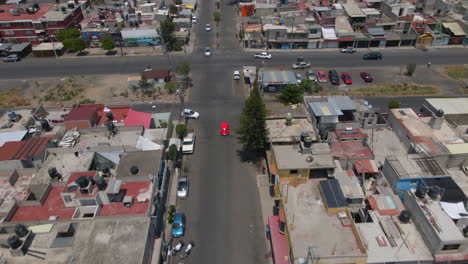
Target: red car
column 366, row 77
column 224, row 129
column 346, row 78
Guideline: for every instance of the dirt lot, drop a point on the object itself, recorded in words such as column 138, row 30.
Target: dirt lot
column 69, row 91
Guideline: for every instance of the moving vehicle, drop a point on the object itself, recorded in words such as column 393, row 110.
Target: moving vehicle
column 311, row 76
column 346, row 78
column 322, row 77
column 11, row 58
column 207, row 51
column 333, row 77
column 366, row 77
column 188, row 143
column 189, row 113
column 236, row 75
column 224, row 129
column 372, row 56
column 263, row 55
column 208, row 27
column 348, row 50
column 299, row 78
column 301, row 65
column 194, row 20
column 178, row 226
column 182, row 188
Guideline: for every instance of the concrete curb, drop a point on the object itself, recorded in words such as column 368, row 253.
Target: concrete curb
column 360, row 49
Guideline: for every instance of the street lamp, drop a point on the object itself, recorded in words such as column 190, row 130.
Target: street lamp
column 53, row 45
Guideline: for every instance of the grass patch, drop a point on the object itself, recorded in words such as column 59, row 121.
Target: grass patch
column 393, row 89
column 456, row 72
column 12, row 98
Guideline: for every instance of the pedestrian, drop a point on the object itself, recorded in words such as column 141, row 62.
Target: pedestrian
column 429, row 64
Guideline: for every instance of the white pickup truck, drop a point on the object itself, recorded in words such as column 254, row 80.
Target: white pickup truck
column 188, row 144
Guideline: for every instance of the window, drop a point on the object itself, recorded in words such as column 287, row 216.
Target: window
column 451, row 247
column 9, row 32
column 5, row 25
column 293, row 171
column 51, row 23
column 29, row 32
column 67, row 198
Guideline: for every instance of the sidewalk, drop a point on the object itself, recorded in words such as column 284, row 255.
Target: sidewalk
column 266, row 204
column 117, row 52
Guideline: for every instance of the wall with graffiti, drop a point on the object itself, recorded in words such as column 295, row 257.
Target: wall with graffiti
column 141, row 38
column 93, row 39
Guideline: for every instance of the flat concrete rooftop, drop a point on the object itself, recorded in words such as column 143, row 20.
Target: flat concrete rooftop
column 109, row 241
column 290, row 157
column 309, row 224
column 25, row 116
column 385, row 142
column 99, row 137
column 278, row 131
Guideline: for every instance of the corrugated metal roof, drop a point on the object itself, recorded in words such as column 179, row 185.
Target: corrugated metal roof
column 451, row 106
column 80, row 114
column 457, row 148
column 19, row 47
column 329, row 33
column 286, row 77
column 139, row 33
column 343, row 102
column 376, row 31
column 12, row 136
column 325, row 109
column 455, row 28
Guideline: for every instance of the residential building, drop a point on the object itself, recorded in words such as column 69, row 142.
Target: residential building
column 344, row 32
column 274, row 81
column 38, row 22
column 24, row 154
column 81, row 117
column 347, row 152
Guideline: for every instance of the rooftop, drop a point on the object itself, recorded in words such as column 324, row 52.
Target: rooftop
column 278, row 131
column 278, row 77
column 279, row 110
column 352, row 9
column 80, row 113
column 135, row 118
column 147, row 163
column 309, row 224
column 161, row 73
column 8, row 15
column 384, row 142
column 119, row 114
column 94, row 241
column 99, row 137
column 351, row 150
column 141, row 194
column 23, row 150
column 450, row 106
column 15, row 126
column 343, row 28
column 416, row 166
column 12, row 136
column 14, row 186
column 290, row 157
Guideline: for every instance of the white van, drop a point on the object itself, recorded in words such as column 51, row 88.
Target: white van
column 236, row 75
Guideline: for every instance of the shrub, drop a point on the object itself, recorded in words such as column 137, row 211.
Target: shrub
column 172, row 153
column 181, row 129
column 291, row 94
column 410, row 69
column 393, row 104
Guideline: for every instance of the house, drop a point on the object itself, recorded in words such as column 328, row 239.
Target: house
column 344, row 32
column 37, row 23
column 24, row 154
column 338, row 112
column 347, row 152
column 274, row 81
column 455, row 31
column 136, row 118
column 81, row 117
column 160, row 75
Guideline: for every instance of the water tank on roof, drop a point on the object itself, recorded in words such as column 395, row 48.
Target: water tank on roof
column 21, row 230
column 307, row 142
column 101, row 183
column 404, row 217
column 134, row 170
column 439, row 113
column 53, row 173
column 45, row 125
column 110, row 116
column 105, row 170
column 71, row 5
column 82, row 181
column 12, row 115
column 14, row 242
column 421, row 191
column 304, row 135
column 434, row 192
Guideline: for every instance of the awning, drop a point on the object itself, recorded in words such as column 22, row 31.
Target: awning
column 454, row 28
column 279, row 245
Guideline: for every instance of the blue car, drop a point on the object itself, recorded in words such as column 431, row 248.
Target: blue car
column 178, row 226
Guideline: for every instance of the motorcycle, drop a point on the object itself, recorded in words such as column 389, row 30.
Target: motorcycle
column 178, row 247
column 188, row 250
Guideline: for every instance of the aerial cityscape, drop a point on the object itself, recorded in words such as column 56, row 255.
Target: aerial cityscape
column 234, row 131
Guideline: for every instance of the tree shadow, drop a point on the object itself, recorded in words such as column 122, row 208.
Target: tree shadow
column 82, row 53
column 111, row 53
column 249, row 156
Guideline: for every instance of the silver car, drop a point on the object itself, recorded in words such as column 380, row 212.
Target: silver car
column 299, row 78
column 311, row 76
column 182, row 188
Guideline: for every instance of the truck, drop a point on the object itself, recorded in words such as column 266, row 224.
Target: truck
column 188, row 143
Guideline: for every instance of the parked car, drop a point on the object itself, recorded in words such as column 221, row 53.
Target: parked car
column 188, row 143
column 366, row 77
column 224, row 129
column 194, row 20
column 333, row 77
column 263, row 55
column 372, row 56
column 207, row 51
column 190, row 113
column 301, row 65
column 322, row 77
column 346, row 78
column 348, row 50
column 236, row 75
column 178, row 226
column 299, row 78
column 182, row 188
column 311, row 76
column 208, row 27
column 11, row 58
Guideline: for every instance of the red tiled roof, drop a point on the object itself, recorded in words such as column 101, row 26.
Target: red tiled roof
column 119, row 113
column 156, row 73
column 135, row 118
column 8, row 16
column 351, row 150
column 279, row 243
column 22, row 150
column 80, row 113
column 365, row 166
column 130, row 189
column 53, row 206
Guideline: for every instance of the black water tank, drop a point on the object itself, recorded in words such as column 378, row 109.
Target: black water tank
column 110, row 126
column 101, row 183
column 53, row 173
column 12, row 115
column 45, row 125
column 82, row 181
column 134, row 170
column 434, row 192
column 304, row 135
column 308, row 142
column 110, row 116
column 21, row 230
column 404, row 217
column 105, row 170
column 439, row 113
column 14, row 242
column 421, row 191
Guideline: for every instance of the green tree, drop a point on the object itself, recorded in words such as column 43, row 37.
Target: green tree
column 108, row 43
column 310, row 86
column 217, row 16
column 183, row 68
column 410, row 69
column 252, row 124
column 291, row 94
column 144, row 83
column 181, row 129
column 68, row 33
column 172, row 153
column 393, row 104
column 75, row 44
column 171, row 87
column 167, row 33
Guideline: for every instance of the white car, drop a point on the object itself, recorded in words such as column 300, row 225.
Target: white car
column 189, row 113
column 207, row 51
column 182, row 188
column 301, row 65
column 299, row 78
column 208, row 27
column 263, row 55
column 194, row 20
column 236, row 75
